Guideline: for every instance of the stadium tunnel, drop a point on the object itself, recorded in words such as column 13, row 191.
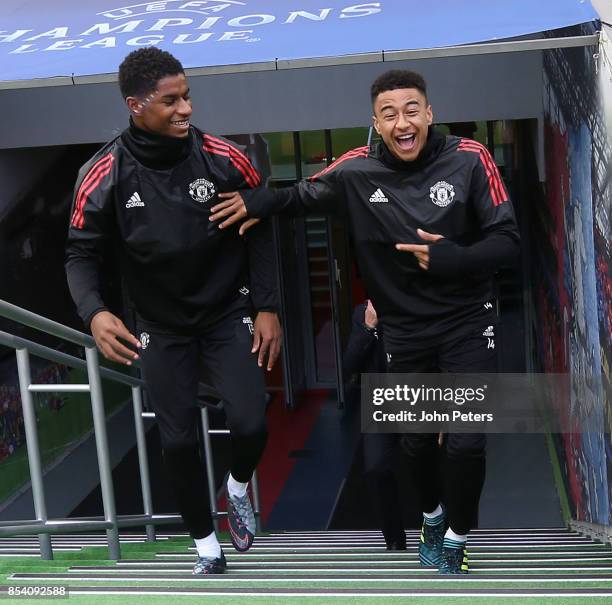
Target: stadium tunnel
column 535, row 93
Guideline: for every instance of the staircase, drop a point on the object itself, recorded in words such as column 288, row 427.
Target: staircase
column 318, row 269
column 544, row 565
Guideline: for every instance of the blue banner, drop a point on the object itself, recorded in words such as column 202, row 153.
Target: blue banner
column 47, row 38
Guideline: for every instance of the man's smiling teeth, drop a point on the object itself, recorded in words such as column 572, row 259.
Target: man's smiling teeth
column 406, row 137
column 181, row 123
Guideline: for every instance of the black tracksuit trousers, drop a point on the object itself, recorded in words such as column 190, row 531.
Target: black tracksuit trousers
column 457, row 476
column 379, row 452
column 219, row 355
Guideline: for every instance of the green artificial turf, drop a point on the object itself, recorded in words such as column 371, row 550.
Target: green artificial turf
column 97, row 556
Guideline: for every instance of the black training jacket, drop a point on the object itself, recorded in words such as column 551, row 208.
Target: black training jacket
column 178, row 268
column 453, row 189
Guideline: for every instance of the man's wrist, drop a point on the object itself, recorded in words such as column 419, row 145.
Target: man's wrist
column 369, row 329
column 249, row 199
column 92, row 314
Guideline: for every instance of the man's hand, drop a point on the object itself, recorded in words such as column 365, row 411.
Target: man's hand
column 421, row 251
column 371, row 319
column 267, row 338
column 107, row 329
column 231, row 207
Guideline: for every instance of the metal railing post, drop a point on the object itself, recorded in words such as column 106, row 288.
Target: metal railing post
column 110, row 522
column 143, row 460
column 29, row 421
column 106, row 478
column 210, row 476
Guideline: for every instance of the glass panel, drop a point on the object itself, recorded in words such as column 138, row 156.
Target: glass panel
column 313, row 152
column 345, row 139
column 351, row 291
column 282, row 155
column 470, row 130
column 313, row 160
column 283, row 170
column 504, row 144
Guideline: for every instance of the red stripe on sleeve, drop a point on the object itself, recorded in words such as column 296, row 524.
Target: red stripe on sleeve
column 215, row 150
column 496, row 186
column 354, row 153
column 92, row 179
column 240, row 161
column 248, row 172
column 244, row 165
column 80, row 219
column 252, row 181
column 490, row 175
column 495, row 177
column 232, row 149
column 85, row 190
column 86, row 179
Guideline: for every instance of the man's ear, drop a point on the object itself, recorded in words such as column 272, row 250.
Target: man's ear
column 134, row 105
column 375, row 124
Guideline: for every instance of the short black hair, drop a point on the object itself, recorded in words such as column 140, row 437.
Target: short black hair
column 142, row 69
column 398, row 78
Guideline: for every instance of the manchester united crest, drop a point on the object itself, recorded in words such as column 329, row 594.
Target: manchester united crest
column 145, row 339
column 442, row 194
column 201, row 190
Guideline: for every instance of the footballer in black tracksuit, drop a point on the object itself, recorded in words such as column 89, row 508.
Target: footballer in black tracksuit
column 441, row 319
column 145, row 199
column 365, row 353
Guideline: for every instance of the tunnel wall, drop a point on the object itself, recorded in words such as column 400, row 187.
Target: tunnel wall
column 572, row 258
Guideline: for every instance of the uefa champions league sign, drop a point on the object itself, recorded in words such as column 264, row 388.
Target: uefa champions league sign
column 43, row 39
column 174, row 23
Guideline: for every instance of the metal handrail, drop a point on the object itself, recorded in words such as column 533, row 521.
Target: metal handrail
column 42, row 525
column 16, row 342
column 111, row 521
column 32, row 320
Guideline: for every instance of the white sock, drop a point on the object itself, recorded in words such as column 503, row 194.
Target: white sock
column 235, row 488
column 208, row 546
column 435, row 513
column 451, row 535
